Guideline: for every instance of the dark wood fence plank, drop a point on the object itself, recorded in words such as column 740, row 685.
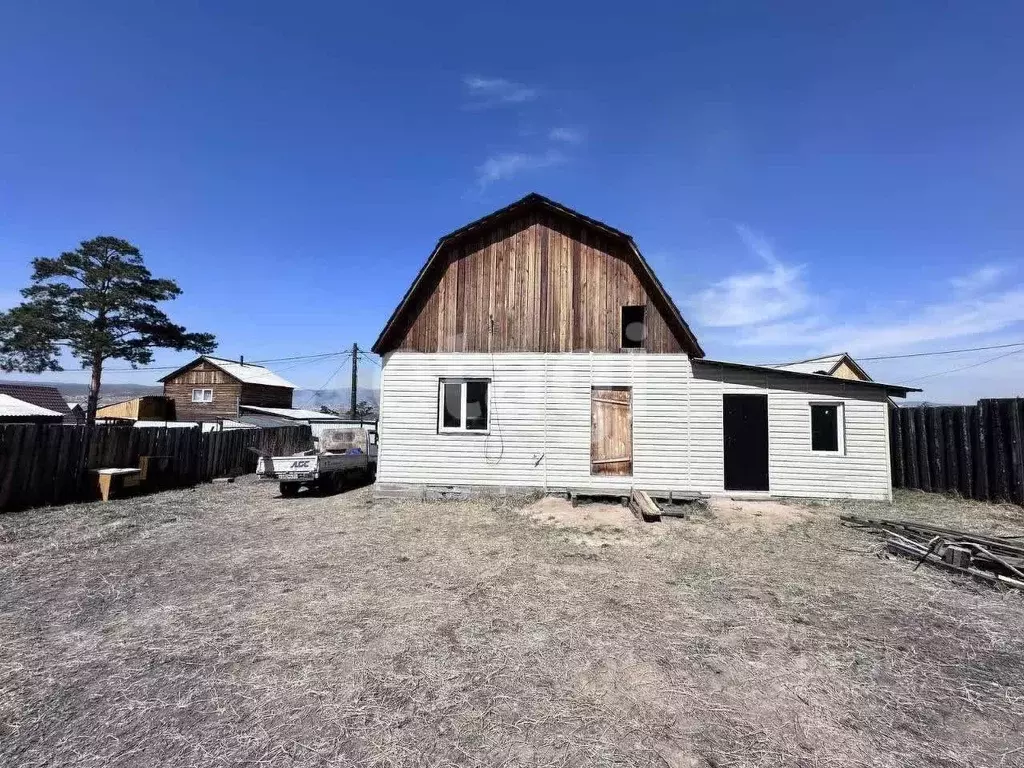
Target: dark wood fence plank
column 999, row 452
column 907, row 425
column 924, row 466
column 952, row 466
column 1016, row 455
column 937, row 449
column 14, row 435
column 964, row 452
column 896, row 448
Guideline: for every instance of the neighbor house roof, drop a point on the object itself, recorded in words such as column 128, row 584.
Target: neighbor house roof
column 896, row 390
column 533, row 202
column 247, row 373
column 827, row 364
column 295, row 414
column 48, row 398
column 12, row 406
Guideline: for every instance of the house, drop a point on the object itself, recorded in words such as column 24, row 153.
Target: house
column 536, row 349
column 211, row 388
column 840, row 365
column 146, row 408
column 15, row 411
column 47, row 398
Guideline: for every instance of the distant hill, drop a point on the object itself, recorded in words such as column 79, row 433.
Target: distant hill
column 115, row 393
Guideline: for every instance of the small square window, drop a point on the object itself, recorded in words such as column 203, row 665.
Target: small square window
column 202, row 395
column 632, row 327
column 462, row 405
column 827, row 427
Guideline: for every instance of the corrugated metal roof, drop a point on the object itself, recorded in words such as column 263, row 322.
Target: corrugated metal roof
column 894, row 389
column 12, row 406
column 823, row 364
column 48, row 398
column 295, row 414
column 250, row 374
column 263, row 420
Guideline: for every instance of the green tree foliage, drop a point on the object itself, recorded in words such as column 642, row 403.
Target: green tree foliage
column 98, row 302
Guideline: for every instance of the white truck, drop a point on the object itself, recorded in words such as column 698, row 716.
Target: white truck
column 343, row 455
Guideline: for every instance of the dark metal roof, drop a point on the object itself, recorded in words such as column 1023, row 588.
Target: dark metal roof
column 534, row 200
column 895, row 390
column 44, row 397
column 263, row 420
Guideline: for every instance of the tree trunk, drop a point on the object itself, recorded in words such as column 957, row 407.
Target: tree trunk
column 94, row 390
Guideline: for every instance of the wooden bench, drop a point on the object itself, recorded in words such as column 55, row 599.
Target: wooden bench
column 117, row 481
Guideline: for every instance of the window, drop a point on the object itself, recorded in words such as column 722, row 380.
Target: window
column 202, row 395
column 462, row 405
column 632, row 327
column 827, row 427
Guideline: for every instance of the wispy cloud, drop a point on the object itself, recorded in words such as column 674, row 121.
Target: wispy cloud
column 980, row 279
column 774, row 308
column 509, row 164
column 566, row 135
column 773, row 292
column 496, row 91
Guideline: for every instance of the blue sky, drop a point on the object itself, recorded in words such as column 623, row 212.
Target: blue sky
column 805, row 177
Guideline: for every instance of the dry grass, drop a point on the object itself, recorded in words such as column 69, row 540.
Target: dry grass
column 227, row 626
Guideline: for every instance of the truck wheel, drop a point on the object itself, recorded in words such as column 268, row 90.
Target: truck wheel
column 289, row 489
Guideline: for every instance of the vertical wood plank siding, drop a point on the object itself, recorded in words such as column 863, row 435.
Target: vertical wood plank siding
column 533, row 285
column 540, row 432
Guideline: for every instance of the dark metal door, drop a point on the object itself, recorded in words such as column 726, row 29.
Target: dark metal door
column 745, row 427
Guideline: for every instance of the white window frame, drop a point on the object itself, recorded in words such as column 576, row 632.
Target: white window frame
column 461, row 429
column 202, row 396
column 840, row 427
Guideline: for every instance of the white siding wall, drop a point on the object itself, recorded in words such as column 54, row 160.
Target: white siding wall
column 540, row 425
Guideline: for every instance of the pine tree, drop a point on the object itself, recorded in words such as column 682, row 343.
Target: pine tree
column 98, row 302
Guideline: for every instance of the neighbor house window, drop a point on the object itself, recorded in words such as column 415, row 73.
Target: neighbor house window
column 632, row 327
column 202, row 395
column 462, row 405
column 827, row 427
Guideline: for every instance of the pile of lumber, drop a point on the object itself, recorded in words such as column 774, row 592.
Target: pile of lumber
column 998, row 560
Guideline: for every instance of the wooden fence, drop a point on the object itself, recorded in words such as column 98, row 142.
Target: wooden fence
column 43, row 464
column 973, row 450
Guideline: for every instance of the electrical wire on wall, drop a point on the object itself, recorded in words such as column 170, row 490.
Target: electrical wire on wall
column 494, row 429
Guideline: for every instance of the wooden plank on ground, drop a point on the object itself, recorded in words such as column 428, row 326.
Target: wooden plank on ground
column 644, row 507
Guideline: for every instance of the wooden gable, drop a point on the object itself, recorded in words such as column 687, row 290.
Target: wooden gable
column 534, row 277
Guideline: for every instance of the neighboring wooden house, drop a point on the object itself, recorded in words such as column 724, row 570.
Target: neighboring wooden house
column 47, row 398
column 146, row 408
column 211, row 388
column 840, row 365
column 537, row 349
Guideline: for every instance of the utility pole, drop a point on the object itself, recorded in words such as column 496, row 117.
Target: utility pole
column 355, row 378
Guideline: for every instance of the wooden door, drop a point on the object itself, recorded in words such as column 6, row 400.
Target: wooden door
column 745, row 432
column 611, row 431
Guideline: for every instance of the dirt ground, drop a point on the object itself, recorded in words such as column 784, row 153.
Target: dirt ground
column 228, row 626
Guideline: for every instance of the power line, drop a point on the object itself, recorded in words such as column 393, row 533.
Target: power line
column 323, row 386
column 319, row 355
column 965, row 367
column 943, row 352
column 369, row 359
